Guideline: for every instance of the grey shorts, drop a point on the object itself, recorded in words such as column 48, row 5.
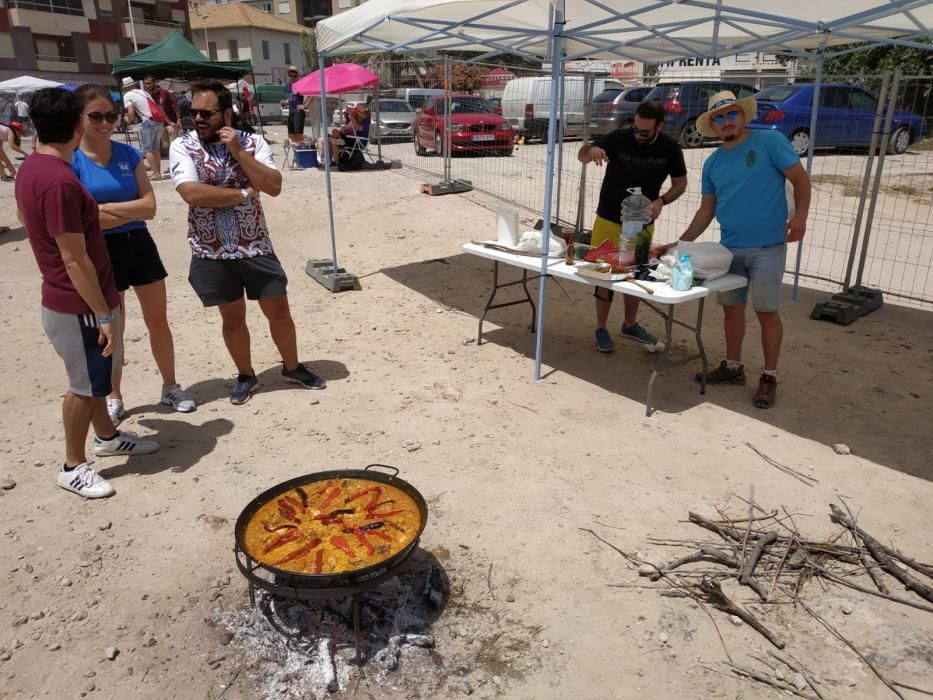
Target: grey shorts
column 219, row 282
column 150, row 137
column 764, row 268
column 74, row 338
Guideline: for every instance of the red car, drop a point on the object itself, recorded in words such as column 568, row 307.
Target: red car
column 474, row 127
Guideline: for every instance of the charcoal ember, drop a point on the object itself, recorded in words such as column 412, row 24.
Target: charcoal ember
column 435, row 588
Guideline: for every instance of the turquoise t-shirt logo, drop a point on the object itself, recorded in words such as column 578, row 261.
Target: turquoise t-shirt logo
column 751, row 158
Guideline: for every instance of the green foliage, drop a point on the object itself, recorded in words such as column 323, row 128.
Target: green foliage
column 878, row 59
column 309, row 49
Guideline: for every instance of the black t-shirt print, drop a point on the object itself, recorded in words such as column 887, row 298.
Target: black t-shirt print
column 636, row 165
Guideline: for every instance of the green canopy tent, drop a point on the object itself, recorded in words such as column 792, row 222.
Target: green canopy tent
column 175, row 57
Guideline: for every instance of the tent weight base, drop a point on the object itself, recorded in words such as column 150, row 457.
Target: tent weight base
column 447, row 187
column 846, row 307
column 338, row 280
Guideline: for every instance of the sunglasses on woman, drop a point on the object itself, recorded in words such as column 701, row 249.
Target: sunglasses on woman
column 720, row 119
column 98, row 117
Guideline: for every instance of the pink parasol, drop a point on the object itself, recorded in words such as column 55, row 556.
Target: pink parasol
column 340, row 77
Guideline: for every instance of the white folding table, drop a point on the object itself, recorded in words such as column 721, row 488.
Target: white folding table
column 662, row 301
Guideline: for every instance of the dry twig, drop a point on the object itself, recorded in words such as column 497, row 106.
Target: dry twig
column 748, row 566
column 799, row 476
column 712, row 593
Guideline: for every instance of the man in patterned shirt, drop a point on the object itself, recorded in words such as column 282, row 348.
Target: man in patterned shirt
column 220, row 173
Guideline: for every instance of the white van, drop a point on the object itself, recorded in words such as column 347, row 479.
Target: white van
column 527, row 101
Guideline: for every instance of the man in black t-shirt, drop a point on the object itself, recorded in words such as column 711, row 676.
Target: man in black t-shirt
column 638, row 157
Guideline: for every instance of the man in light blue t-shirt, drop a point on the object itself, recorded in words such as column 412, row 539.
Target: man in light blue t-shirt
column 743, row 188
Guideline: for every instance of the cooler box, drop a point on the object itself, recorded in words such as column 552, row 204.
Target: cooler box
column 306, row 157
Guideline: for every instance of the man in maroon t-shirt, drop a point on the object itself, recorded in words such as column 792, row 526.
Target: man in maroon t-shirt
column 168, row 105
column 80, row 303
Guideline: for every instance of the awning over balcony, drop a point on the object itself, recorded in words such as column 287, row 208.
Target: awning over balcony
column 176, row 57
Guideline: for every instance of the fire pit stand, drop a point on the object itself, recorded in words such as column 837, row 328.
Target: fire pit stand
column 295, row 589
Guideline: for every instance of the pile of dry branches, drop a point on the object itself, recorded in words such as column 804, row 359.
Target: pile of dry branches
column 766, row 552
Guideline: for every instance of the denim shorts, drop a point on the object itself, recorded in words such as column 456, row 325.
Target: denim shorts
column 764, row 268
column 150, row 136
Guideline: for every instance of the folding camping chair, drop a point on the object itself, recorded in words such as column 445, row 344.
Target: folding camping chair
column 353, row 153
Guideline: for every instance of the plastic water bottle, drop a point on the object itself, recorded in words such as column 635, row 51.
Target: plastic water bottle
column 636, row 215
column 682, row 276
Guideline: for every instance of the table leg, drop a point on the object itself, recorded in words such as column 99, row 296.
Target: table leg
column 495, row 288
column 661, row 362
column 700, row 348
column 534, row 317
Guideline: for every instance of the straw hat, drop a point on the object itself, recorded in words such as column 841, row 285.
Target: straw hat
column 127, row 82
column 720, row 101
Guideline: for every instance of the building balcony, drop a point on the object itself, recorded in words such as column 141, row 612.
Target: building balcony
column 149, row 31
column 60, row 64
column 53, row 18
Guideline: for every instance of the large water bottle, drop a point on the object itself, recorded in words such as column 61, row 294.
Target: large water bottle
column 636, row 215
column 682, row 275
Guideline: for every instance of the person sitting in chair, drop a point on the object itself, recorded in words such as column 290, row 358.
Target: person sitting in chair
column 356, row 128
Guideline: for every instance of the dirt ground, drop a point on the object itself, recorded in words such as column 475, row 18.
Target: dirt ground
column 512, row 470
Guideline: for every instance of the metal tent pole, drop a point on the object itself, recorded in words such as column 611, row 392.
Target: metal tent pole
column 814, row 112
column 885, row 136
column 374, row 117
column 866, row 179
column 562, row 123
column 588, row 89
column 556, row 23
column 446, row 119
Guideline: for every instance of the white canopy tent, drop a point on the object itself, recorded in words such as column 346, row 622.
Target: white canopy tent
column 564, row 30
column 26, row 83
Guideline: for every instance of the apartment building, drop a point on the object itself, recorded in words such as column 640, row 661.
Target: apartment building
column 238, row 31
column 76, row 41
column 304, row 12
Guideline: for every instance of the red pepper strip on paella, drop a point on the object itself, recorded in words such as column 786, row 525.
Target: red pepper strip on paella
column 341, row 544
column 283, row 539
column 373, row 516
column 318, row 561
column 294, row 503
column 352, row 498
column 381, row 535
column 361, row 538
column 301, row 551
column 327, row 501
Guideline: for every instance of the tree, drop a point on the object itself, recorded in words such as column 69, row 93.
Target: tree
column 309, row 49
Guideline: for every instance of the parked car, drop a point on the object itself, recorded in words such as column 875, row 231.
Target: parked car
column 526, row 103
column 686, row 100
column 845, row 118
column 268, row 100
column 396, row 120
column 615, row 109
column 416, row 97
column 473, row 127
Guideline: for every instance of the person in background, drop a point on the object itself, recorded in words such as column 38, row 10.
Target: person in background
column 220, row 172
column 183, row 99
column 638, row 157
column 22, row 113
column 114, row 174
column 356, row 128
column 166, row 101
column 139, row 105
column 11, row 135
column 296, row 109
column 744, row 189
column 80, row 303
column 247, row 112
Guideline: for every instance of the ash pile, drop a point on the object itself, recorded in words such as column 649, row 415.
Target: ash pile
column 307, row 649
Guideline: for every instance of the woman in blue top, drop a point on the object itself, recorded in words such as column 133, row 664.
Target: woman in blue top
column 114, row 174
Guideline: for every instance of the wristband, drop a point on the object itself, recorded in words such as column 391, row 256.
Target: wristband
column 106, row 318
column 245, row 194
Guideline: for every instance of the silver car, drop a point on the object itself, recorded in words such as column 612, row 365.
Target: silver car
column 396, row 118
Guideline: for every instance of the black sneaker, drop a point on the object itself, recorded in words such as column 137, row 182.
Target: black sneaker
column 304, row 376
column 724, row 375
column 767, row 391
column 245, row 385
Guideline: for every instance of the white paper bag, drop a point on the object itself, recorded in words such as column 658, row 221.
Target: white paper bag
column 507, row 227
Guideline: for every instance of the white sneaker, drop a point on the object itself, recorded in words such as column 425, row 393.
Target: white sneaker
column 177, row 398
column 116, row 411
column 84, row 481
column 125, row 443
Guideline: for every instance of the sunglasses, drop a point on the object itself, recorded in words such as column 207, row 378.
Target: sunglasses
column 644, row 133
column 720, row 119
column 98, row 117
column 204, row 114
column 293, row 73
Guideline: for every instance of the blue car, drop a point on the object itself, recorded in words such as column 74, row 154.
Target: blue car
column 845, row 117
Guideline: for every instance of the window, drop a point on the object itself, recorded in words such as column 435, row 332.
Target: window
column 233, row 50
column 743, row 91
column 343, row 4
column 59, row 7
column 285, row 8
column 265, row 50
column 861, row 101
column 212, row 50
column 834, row 98
column 288, row 52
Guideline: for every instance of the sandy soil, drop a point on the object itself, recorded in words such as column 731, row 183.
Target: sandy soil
column 511, row 469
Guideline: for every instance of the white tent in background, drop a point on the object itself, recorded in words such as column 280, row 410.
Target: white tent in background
column 557, row 31
column 26, row 83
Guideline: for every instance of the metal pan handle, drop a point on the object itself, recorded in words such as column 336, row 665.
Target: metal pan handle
column 386, row 466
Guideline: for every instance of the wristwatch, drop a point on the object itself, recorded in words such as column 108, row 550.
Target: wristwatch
column 245, row 195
